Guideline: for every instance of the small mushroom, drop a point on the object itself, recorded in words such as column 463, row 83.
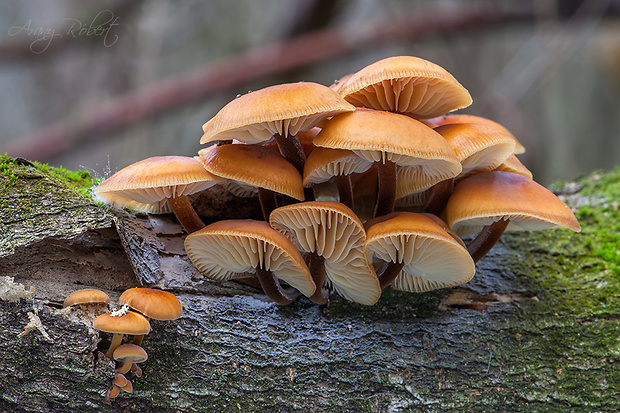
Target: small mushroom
column 233, row 248
column 161, row 178
column 128, row 354
column 407, row 85
column 86, row 296
column 491, row 202
column 124, row 323
column 152, row 303
column 418, row 254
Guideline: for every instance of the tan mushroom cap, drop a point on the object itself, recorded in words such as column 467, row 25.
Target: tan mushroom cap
column 479, row 147
column 86, row 296
column 333, row 231
column 157, row 178
column 136, row 353
column 325, row 163
column 455, row 118
column 233, row 248
column 514, row 165
column 406, row 84
column 130, row 323
column 156, row 304
column 255, row 165
column 485, row 198
column 282, row 109
column 432, row 258
column 376, row 136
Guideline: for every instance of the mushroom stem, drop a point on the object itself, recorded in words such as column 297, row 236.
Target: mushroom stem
column 386, row 193
column 126, row 366
column 137, row 340
column 268, row 202
column 317, row 270
column 116, row 341
column 439, row 197
column 388, row 273
column 345, row 189
column 186, row 214
column 291, row 150
column 485, row 240
column 273, row 289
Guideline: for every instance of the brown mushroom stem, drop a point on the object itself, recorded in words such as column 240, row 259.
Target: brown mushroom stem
column 126, row 366
column 116, row 341
column 388, row 273
column 386, row 193
column 273, row 289
column 309, row 194
column 486, row 239
column 345, row 189
column 440, row 193
column 137, row 340
column 291, row 150
column 317, row 270
column 268, row 202
column 186, row 214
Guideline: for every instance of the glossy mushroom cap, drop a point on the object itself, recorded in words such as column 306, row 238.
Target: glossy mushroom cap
column 514, row 165
column 431, row 258
column 456, row 118
column 128, row 354
column 233, row 248
column 482, row 199
column 282, row 109
column 130, row 323
column 155, row 304
column 155, row 179
column 86, row 296
column 408, row 85
column 479, row 147
column 254, row 165
column 324, row 164
column 334, row 232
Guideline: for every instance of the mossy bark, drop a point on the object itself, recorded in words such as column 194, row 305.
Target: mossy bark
column 535, row 330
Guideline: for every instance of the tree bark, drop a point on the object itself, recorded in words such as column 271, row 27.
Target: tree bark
column 506, row 341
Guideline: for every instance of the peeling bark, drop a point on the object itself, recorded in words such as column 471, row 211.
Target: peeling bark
column 502, row 342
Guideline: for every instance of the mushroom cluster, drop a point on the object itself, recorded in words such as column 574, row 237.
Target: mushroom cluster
column 148, row 303
column 364, row 184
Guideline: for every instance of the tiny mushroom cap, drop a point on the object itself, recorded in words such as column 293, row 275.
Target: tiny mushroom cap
column 255, row 165
column 513, row 164
column 483, row 199
column 408, row 85
column 455, row 118
column 86, row 296
column 128, row 354
column 332, row 231
column 479, row 147
column 276, row 110
column 428, row 256
column 161, row 178
column 233, row 248
column 155, row 304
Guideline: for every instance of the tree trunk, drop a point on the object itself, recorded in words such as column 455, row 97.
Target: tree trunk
column 535, row 330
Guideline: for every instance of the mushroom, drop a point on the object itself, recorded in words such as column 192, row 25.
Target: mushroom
column 334, row 237
column 407, row 85
column 152, row 303
column 491, row 202
column 120, row 382
column 390, row 139
column 119, row 323
column 325, row 164
column 418, row 255
column 86, row 296
column 269, row 171
column 232, row 248
column 513, row 164
column 457, row 118
column 161, row 178
column 279, row 111
column 128, row 354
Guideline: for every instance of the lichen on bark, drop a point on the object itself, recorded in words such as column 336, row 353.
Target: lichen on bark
column 535, row 330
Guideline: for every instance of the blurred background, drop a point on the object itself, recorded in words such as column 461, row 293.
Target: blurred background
column 99, row 85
